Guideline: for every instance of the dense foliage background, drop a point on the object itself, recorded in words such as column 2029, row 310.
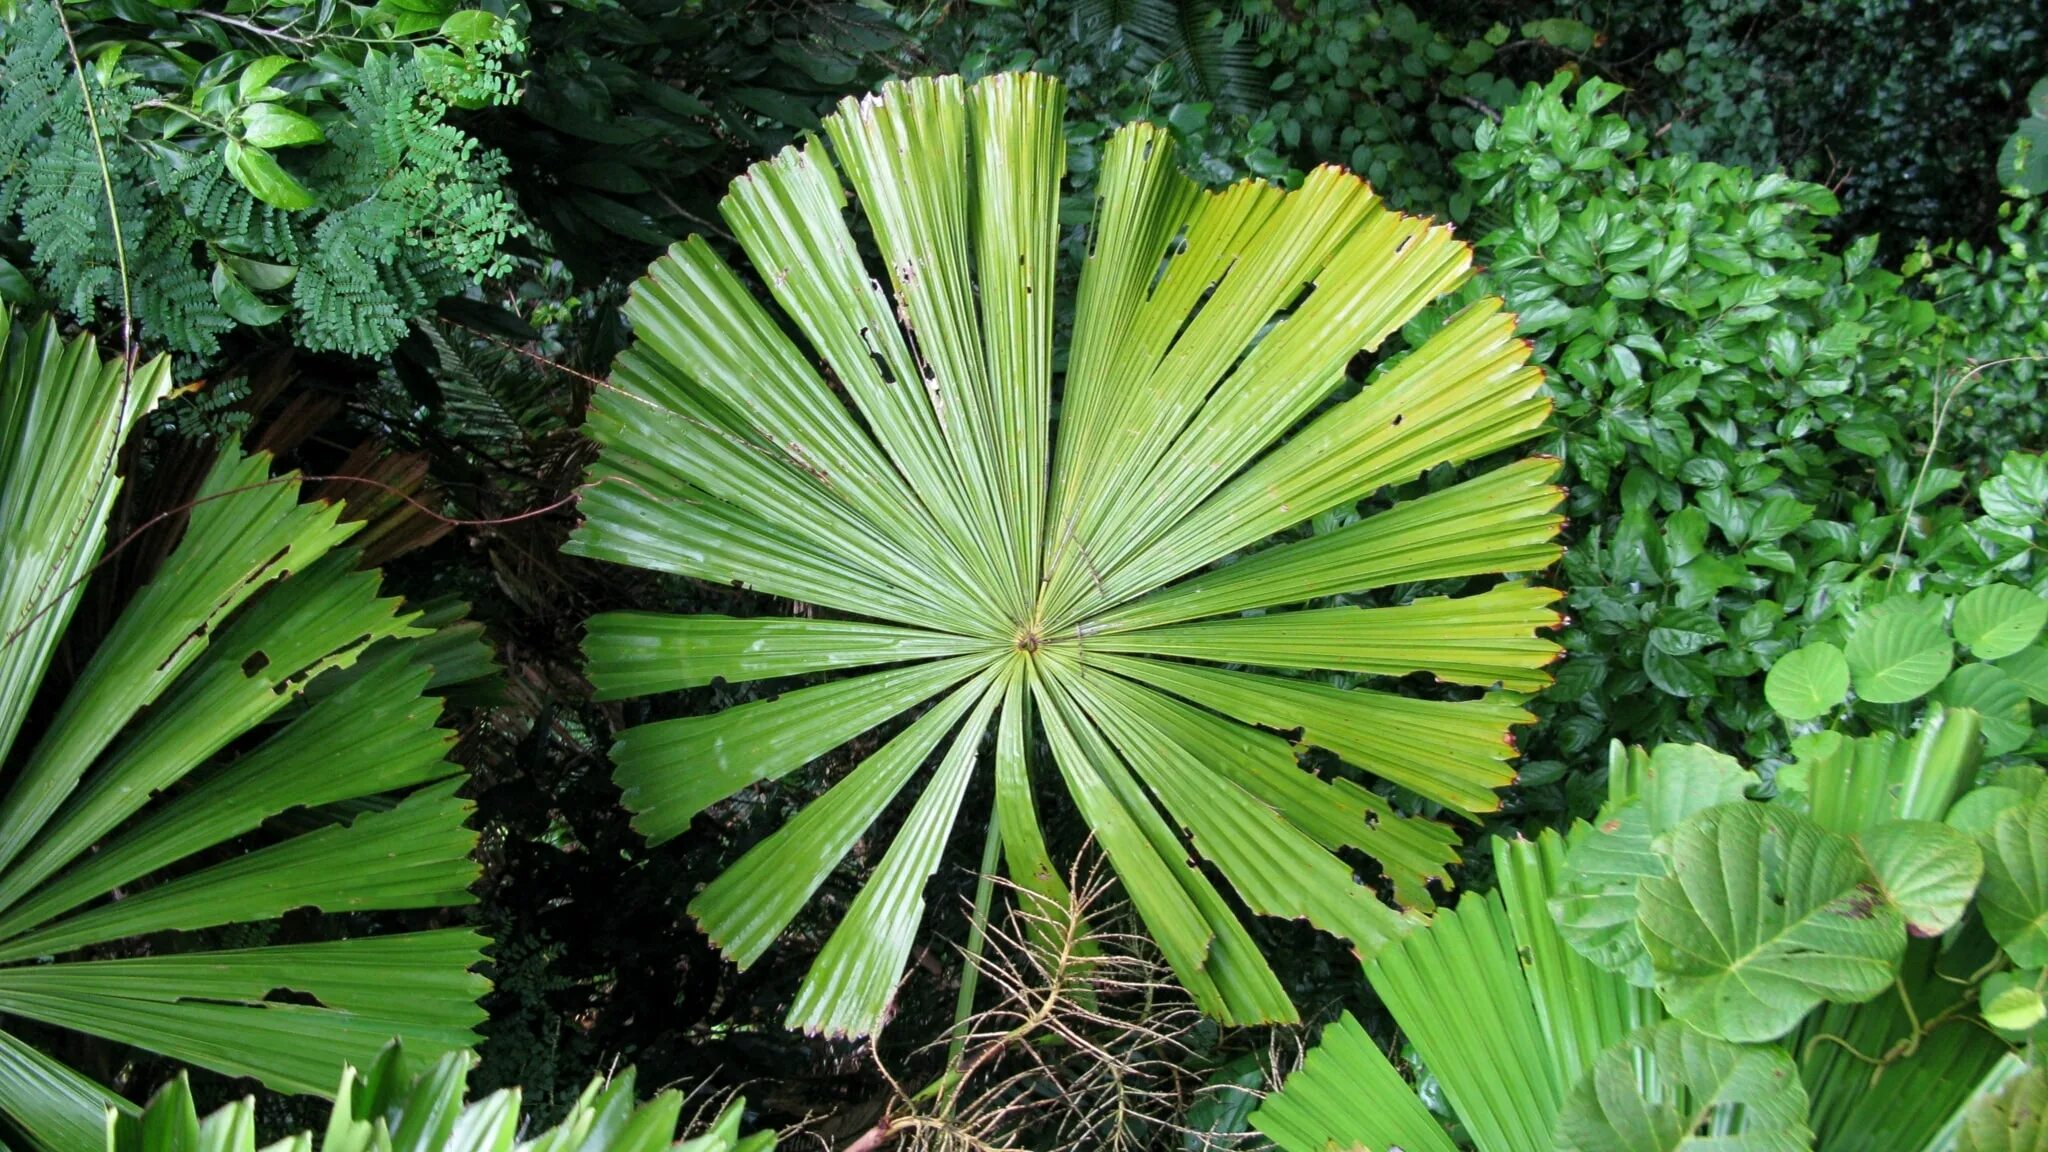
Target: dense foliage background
column 1781, row 261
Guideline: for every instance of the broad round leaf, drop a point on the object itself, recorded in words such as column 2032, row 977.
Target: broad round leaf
column 885, row 451
column 1764, row 915
column 1928, row 871
column 1596, row 901
column 2029, row 669
column 2013, row 1120
column 1998, row 620
column 1898, row 656
column 1997, row 699
column 2010, row 1002
column 1716, row 1095
column 1681, row 779
column 2015, row 890
column 260, row 672
column 1808, row 682
column 1978, row 810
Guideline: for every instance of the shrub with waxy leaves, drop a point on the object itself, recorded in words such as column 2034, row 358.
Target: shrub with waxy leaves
column 1719, row 375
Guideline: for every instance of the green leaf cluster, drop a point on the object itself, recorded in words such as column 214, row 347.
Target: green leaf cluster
column 1720, row 375
column 208, row 171
column 1993, row 297
column 1708, row 965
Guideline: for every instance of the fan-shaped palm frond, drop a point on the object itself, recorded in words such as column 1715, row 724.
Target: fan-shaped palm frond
column 392, row 1106
column 1532, row 1019
column 900, row 468
column 134, row 803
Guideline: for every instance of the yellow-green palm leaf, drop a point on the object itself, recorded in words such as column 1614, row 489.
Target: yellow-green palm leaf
column 886, row 450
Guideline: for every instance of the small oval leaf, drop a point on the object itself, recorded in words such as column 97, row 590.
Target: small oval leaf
column 1998, row 620
column 1808, row 682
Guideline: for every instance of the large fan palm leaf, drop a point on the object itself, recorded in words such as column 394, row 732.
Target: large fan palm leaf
column 133, row 806
column 892, row 455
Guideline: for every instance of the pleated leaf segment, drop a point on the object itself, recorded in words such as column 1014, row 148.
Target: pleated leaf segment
column 886, row 451
column 139, row 783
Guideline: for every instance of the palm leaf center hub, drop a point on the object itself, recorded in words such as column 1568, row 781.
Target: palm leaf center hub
column 1105, row 558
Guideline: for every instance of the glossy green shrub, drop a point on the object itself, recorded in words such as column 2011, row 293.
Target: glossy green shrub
column 1384, row 92
column 1993, row 300
column 296, row 170
column 1721, row 378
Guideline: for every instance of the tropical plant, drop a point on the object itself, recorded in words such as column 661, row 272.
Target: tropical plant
column 1766, row 83
column 198, row 168
column 393, row 1107
column 201, row 764
column 636, row 112
column 1993, row 300
column 1955, row 551
column 1520, row 990
column 1062, row 584
column 1698, row 969
column 1876, row 667
column 1204, row 42
column 1726, row 389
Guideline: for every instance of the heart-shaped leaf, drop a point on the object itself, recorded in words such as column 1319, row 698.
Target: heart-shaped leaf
column 2029, row 669
column 1997, row 699
column 1596, row 901
column 1998, row 620
column 1764, row 915
column 1717, row 1095
column 1808, row 682
column 1928, row 871
column 1898, row 656
column 2014, row 896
